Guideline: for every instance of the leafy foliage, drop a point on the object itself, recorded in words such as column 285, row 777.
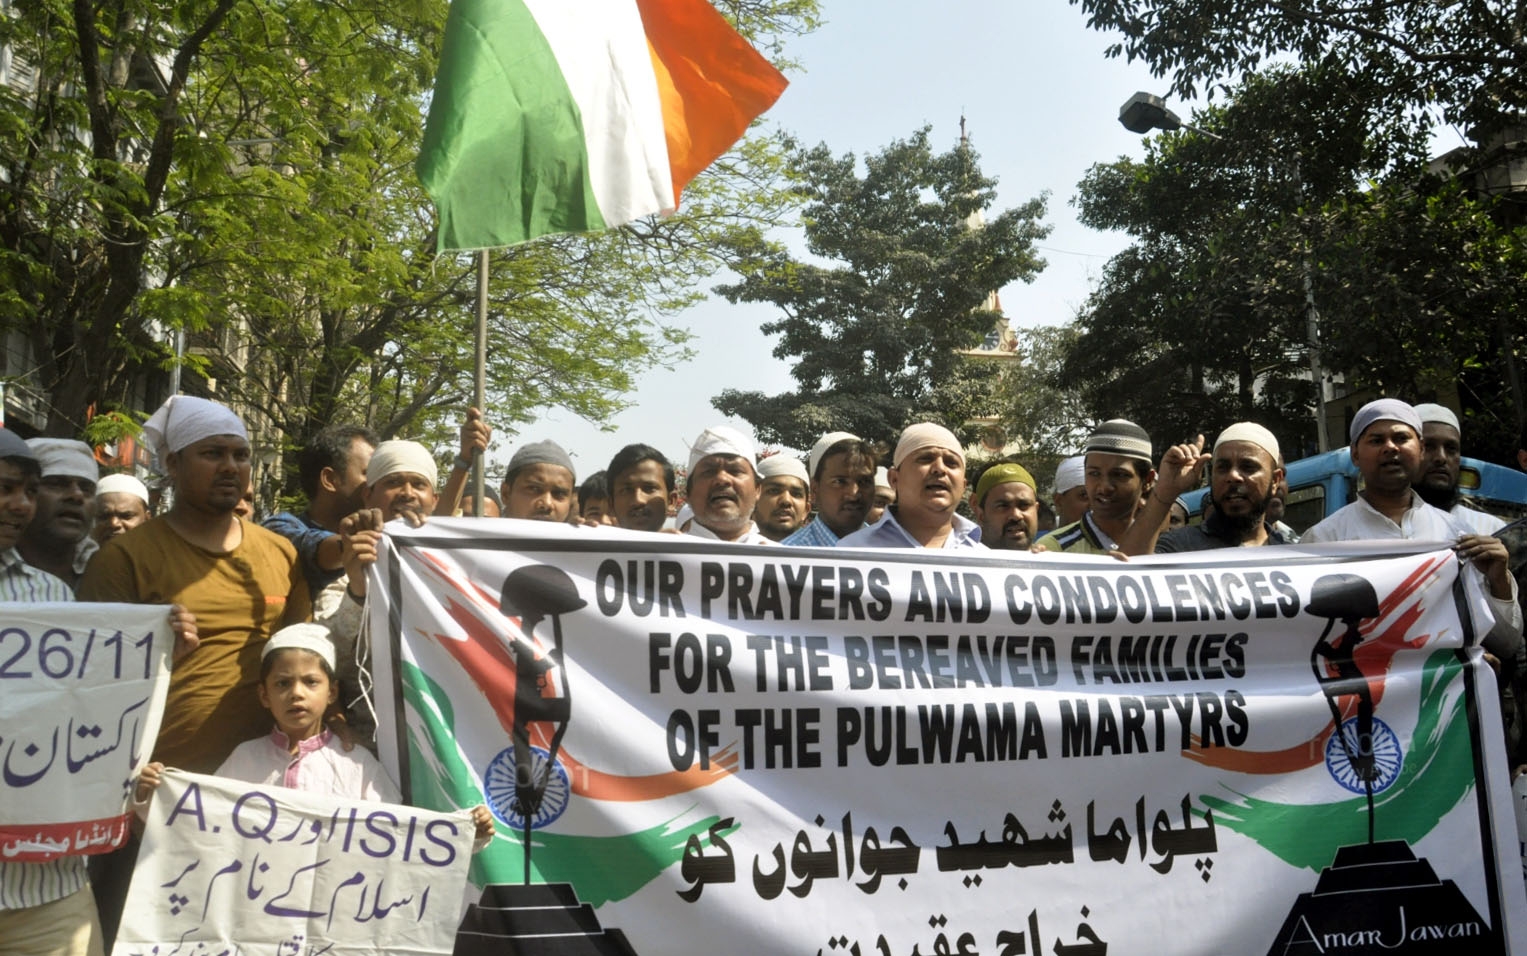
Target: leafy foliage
column 875, row 332
column 1468, row 57
column 1202, row 321
column 243, row 171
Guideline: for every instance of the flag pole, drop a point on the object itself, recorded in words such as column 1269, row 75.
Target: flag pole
column 480, row 376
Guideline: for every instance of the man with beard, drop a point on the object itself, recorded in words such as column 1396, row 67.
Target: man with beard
column 1006, row 507
column 121, row 504
column 1386, row 447
column 332, row 469
column 242, row 583
column 723, row 487
column 1441, row 462
column 58, row 539
column 642, row 488
column 782, row 498
column 1243, row 473
column 928, row 476
column 843, row 473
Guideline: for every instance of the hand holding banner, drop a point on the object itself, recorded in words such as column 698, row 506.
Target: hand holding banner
column 272, row 870
column 82, row 690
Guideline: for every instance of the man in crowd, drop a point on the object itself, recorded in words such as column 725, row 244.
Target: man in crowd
column 724, row 486
column 492, row 507
column 928, row 476
column 594, row 501
column 1441, row 463
column 782, row 497
column 1386, row 447
column 539, row 483
column 1006, row 507
column 46, row 907
column 58, row 539
column 885, row 495
column 642, row 488
column 1277, row 507
column 332, row 469
column 1071, row 490
column 241, row 582
column 842, row 468
column 1118, row 475
column 121, row 504
column 1243, row 473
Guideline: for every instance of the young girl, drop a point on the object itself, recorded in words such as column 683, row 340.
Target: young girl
column 297, row 686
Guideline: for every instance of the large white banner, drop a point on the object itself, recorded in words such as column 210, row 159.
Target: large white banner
column 231, row 867
column 696, row 748
column 82, row 690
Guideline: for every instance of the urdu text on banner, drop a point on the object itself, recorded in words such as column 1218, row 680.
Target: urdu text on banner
column 825, row 751
column 233, row 867
column 82, row 689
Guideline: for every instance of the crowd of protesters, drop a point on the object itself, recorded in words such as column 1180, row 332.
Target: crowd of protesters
column 285, row 597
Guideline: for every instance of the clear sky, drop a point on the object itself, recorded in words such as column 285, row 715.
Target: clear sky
column 1041, row 104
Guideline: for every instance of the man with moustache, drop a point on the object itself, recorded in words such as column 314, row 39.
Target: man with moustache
column 642, row 488
column 928, row 475
column 539, row 484
column 1386, row 447
column 240, row 581
column 1118, row 475
column 724, row 487
column 121, row 504
column 1441, row 463
column 782, row 497
column 332, row 469
column 1243, row 473
column 842, row 468
column 58, row 539
column 1006, row 507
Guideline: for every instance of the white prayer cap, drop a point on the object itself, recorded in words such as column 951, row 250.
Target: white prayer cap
column 883, row 479
column 783, row 466
column 1430, row 413
column 820, row 448
column 722, row 440
column 1252, row 432
column 65, row 457
column 1383, row 409
column 1072, row 473
column 305, row 637
column 397, row 455
column 122, row 485
column 926, row 435
column 185, row 420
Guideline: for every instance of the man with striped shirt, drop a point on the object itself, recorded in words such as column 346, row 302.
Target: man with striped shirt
column 45, row 908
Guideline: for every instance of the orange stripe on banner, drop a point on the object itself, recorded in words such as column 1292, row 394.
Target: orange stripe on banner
column 712, row 83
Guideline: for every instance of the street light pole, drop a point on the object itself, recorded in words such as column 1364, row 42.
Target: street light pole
column 1144, row 112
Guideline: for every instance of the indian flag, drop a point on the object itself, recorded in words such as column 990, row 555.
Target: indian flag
column 576, row 115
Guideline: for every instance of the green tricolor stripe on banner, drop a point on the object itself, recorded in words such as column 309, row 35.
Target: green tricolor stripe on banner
column 602, row 868
column 1303, row 834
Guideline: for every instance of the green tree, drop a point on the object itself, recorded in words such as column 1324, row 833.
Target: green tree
column 1203, row 320
column 243, row 172
column 1468, row 58
column 1041, row 409
column 900, row 271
